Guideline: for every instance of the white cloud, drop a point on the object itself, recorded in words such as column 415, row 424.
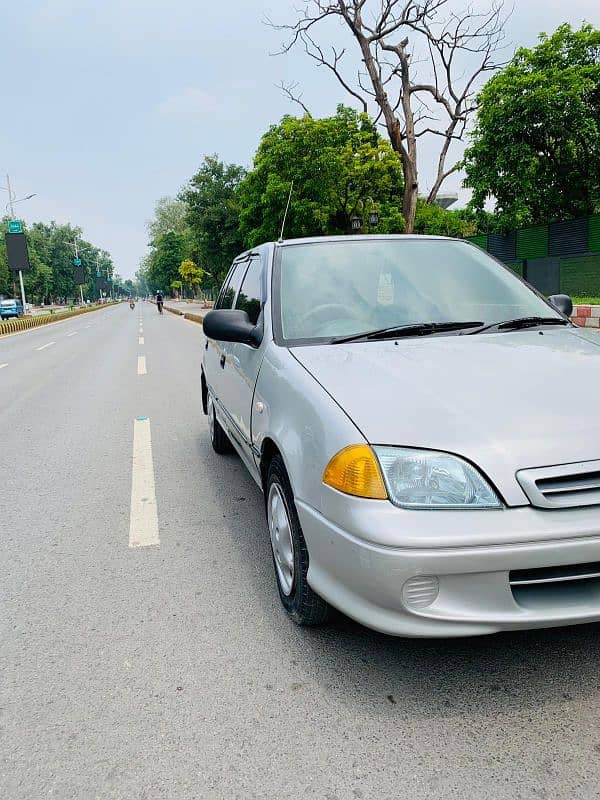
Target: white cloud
column 188, row 102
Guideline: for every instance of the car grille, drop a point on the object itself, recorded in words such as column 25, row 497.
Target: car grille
column 565, row 486
column 571, row 572
column 574, row 585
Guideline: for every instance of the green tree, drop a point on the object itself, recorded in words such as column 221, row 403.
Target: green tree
column 436, row 221
column 169, row 217
column 536, row 146
column 164, row 261
column 51, row 274
column 213, row 215
column 191, row 273
column 5, row 276
column 141, row 277
column 341, row 168
column 419, row 64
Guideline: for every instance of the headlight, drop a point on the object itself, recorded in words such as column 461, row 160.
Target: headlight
column 429, row 479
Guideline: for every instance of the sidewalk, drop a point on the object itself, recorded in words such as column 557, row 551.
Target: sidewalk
column 188, row 307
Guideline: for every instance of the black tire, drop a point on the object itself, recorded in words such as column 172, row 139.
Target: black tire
column 302, row 604
column 218, row 438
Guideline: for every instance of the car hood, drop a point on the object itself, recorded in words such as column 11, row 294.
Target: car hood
column 505, row 401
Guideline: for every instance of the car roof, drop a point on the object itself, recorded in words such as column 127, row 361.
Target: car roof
column 364, row 237
column 345, row 238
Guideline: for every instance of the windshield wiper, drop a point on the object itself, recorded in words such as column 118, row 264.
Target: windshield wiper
column 522, row 322
column 418, row 329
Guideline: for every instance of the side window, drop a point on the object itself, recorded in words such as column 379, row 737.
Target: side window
column 229, row 291
column 222, row 290
column 250, row 296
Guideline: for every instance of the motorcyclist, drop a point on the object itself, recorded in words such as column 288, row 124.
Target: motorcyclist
column 159, row 302
column 131, row 303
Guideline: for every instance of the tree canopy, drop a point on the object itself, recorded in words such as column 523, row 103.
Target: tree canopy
column 536, row 145
column 162, row 267
column 417, row 65
column 341, row 168
column 212, row 216
column 52, row 273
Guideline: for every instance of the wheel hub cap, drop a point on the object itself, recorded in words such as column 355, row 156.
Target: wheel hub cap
column 281, row 538
column 211, row 418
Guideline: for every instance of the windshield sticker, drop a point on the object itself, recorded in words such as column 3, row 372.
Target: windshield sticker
column 385, row 289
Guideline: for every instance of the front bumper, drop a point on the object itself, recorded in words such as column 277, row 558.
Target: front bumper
column 365, row 578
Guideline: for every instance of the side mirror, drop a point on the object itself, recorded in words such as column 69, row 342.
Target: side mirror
column 563, row 302
column 229, row 325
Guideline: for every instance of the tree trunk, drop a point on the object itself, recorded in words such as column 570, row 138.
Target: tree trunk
column 411, row 192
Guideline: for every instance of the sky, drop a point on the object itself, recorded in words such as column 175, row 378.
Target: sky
column 109, row 105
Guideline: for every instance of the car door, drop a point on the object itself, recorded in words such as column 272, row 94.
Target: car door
column 243, row 360
column 215, row 356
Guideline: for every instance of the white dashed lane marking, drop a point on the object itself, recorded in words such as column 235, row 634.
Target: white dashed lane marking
column 74, row 333
column 141, row 365
column 141, row 340
column 3, row 365
column 44, row 346
column 143, row 519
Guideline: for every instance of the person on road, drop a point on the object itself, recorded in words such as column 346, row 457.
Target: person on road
column 131, row 304
column 159, row 302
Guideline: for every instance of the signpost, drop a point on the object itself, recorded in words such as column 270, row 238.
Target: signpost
column 17, row 257
column 15, row 229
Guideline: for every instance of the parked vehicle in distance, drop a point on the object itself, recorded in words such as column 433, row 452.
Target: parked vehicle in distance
column 11, row 308
column 424, row 428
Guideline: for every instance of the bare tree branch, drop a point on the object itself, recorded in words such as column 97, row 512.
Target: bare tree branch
column 288, row 90
column 386, row 34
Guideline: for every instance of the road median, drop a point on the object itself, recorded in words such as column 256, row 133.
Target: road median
column 24, row 323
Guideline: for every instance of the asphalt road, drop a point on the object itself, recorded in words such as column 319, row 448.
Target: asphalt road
column 171, row 672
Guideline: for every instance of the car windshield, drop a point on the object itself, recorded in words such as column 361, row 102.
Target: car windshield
column 341, row 288
column 8, row 302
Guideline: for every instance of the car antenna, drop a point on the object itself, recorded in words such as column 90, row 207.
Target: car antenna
column 286, row 211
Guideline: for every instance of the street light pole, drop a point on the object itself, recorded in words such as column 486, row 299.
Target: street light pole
column 10, row 197
column 75, row 246
column 80, row 285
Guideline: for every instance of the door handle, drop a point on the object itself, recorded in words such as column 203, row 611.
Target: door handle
column 222, row 361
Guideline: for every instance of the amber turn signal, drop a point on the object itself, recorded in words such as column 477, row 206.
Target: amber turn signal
column 354, row 470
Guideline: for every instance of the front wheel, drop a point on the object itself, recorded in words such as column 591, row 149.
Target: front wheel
column 290, row 554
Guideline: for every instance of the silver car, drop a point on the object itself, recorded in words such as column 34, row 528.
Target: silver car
column 424, row 427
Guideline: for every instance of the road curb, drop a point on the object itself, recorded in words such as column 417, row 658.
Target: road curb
column 199, row 318
column 24, row 323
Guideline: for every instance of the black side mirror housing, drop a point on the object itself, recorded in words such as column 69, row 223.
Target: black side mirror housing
column 563, row 302
column 231, row 325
